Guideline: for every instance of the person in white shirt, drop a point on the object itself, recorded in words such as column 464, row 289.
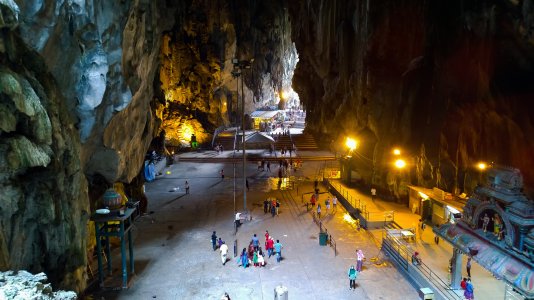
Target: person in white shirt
column 224, row 252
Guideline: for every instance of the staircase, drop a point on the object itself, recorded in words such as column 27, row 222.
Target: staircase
column 226, row 139
column 304, row 142
column 283, row 141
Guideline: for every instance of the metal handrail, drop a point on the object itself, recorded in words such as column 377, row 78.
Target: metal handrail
column 407, row 253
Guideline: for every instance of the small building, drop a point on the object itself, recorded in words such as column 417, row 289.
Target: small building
column 256, row 140
column 434, row 205
column 262, row 119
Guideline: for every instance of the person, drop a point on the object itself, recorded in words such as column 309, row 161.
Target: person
column 225, row 297
column 250, row 251
column 255, row 242
column 259, row 165
column 278, row 250
column 237, row 220
column 315, row 184
column 469, row 290
column 246, row 183
column 219, row 242
column 352, row 277
column 319, row 211
column 273, row 209
column 222, row 174
column 243, row 259
column 312, row 200
column 269, row 166
column 422, row 227
column 359, row 260
column 269, row 245
column 485, row 222
column 214, row 240
column 373, row 193
column 327, row 203
column 266, row 235
column 468, row 267
column 255, row 258
column 463, row 283
column 265, row 205
column 186, row 187
column 334, row 202
column 224, row 252
column 261, row 260
column 277, row 207
column 416, row 260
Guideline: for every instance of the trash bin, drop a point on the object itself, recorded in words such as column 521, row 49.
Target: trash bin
column 426, row 294
column 280, row 293
column 323, row 237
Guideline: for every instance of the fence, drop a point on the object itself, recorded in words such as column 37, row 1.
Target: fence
column 330, row 239
column 403, row 255
column 379, row 218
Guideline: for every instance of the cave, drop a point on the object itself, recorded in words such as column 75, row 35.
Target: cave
column 89, row 89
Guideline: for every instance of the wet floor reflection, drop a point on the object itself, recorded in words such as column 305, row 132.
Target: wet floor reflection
column 275, row 183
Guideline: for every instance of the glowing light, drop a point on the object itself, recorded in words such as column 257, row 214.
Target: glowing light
column 423, row 195
column 187, row 131
column 482, row 166
column 400, row 163
column 168, row 172
column 453, row 210
column 347, row 218
column 284, row 95
column 396, row 151
column 351, row 143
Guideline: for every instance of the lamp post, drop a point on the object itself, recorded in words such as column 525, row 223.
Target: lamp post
column 239, row 65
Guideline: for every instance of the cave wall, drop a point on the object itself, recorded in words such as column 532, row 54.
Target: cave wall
column 196, row 72
column 43, row 190
column 447, row 81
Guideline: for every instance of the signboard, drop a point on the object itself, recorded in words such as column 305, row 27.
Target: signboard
column 332, row 173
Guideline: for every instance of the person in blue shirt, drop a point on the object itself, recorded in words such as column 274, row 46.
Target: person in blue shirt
column 278, row 250
column 214, row 240
column 255, row 242
column 352, row 277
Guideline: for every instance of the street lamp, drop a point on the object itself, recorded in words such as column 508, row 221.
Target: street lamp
column 239, row 65
column 400, row 163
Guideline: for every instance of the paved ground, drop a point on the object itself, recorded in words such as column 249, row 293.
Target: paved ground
column 173, row 258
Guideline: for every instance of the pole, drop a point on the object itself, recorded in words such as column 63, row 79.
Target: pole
column 244, row 151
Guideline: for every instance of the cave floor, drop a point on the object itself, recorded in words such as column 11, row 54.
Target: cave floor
column 174, row 258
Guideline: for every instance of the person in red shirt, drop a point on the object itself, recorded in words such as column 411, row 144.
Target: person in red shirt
column 266, row 236
column 269, row 245
column 463, row 283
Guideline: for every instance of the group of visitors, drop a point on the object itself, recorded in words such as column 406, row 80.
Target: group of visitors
column 261, row 165
column 327, row 202
column 272, row 206
column 467, row 286
column 353, row 272
column 221, row 245
column 254, row 255
column 219, row 148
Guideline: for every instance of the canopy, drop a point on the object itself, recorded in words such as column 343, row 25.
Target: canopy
column 493, row 258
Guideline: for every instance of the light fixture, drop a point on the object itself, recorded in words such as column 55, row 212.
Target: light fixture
column 396, row 151
column 482, row 166
column 351, row 143
column 400, row 163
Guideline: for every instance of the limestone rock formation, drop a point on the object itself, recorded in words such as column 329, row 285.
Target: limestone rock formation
column 43, row 190
column 445, row 81
column 22, row 285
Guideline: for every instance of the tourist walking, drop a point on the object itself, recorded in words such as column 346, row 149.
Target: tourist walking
column 468, row 267
column 265, row 205
column 186, row 187
column 277, row 207
column 214, row 240
column 269, row 166
column 255, row 242
column 222, row 174
column 327, row 203
column 278, row 250
column 334, row 202
column 319, row 211
column 352, row 277
column 469, row 292
column 359, row 260
column 261, row 260
column 269, row 245
column 243, row 259
column 224, row 252
column 485, row 222
column 266, row 235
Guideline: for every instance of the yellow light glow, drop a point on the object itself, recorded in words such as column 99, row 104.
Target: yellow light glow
column 348, row 218
column 187, row 131
column 284, row 95
column 423, row 195
column 396, row 151
column 400, row 163
column 482, row 166
column 351, row 143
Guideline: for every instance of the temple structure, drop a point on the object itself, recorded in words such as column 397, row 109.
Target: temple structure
column 497, row 231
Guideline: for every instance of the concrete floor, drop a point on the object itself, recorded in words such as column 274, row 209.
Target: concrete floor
column 174, row 258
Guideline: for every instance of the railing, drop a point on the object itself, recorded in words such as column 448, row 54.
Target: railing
column 361, row 205
column 404, row 257
column 215, row 134
column 330, row 240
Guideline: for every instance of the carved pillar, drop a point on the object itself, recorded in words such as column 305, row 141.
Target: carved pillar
column 522, row 233
column 456, row 272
